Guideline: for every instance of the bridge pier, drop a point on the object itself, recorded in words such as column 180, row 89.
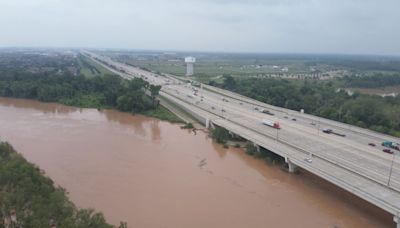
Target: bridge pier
column 209, row 124
column 256, row 146
column 396, row 219
column 292, row 167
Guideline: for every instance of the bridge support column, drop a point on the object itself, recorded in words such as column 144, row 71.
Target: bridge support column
column 292, row 167
column 257, row 147
column 396, row 219
column 207, row 122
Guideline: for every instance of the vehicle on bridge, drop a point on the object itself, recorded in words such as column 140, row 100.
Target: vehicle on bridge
column 330, row 131
column 388, row 151
column 267, row 112
column 392, row 145
column 273, row 124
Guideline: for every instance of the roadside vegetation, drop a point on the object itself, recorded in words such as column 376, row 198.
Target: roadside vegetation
column 162, row 113
column 322, row 99
column 30, row 199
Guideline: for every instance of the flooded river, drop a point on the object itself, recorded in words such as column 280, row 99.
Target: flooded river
column 152, row 174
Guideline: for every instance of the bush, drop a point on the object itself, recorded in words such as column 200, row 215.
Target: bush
column 220, row 135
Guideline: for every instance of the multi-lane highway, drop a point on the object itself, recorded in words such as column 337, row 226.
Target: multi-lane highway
column 347, row 161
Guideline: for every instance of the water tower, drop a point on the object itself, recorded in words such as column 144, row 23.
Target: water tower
column 189, row 65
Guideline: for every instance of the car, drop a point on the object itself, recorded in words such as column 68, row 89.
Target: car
column 327, row 131
column 240, row 103
column 294, row 119
column 212, row 107
column 387, row 151
column 267, row 112
column 372, row 144
column 255, row 108
column 313, row 124
column 223, row 110
column 285, row 117
column 309, row 160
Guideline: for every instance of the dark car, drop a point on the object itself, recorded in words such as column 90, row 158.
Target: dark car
column 328, row 131
column 267, row 112
column 255, row 108
column 387, row 151
column 294, row 119
column 372, row 144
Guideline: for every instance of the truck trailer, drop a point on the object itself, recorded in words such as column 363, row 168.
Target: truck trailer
column 270, row 123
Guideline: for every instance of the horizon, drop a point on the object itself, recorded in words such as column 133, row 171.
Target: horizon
column 171, row 51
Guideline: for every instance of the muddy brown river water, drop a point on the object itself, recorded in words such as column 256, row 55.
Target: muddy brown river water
column 152, row 174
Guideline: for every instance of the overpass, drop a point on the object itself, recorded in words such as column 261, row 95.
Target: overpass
column 348, row 162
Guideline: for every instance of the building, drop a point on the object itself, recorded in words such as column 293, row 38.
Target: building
column 189, row 65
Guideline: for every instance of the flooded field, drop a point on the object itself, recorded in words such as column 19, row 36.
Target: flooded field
column 153, row 174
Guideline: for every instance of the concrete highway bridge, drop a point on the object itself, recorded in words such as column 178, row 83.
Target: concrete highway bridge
column 346, row 161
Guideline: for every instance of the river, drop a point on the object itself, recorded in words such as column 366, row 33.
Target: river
column 152, row 174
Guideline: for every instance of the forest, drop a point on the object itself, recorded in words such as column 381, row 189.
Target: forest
column 374, row 81
column 108, row 91
column 30, row 199
column 322, row 99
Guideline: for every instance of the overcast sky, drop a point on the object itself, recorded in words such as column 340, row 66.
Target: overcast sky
column 290, row 26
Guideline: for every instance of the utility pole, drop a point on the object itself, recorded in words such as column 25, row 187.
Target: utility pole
column 391, row 168
column 277, row 134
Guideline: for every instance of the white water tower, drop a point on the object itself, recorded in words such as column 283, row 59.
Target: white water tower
column 189, row 65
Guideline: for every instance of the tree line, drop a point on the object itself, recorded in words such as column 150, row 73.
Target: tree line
column 30, row 199
column 109, row 91
column 322, row 99
column 373, row 81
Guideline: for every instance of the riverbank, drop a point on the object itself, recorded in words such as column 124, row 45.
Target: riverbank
column 30, row 199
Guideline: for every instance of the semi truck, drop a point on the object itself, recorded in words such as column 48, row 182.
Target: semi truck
column 270, row 123
column 390, row 144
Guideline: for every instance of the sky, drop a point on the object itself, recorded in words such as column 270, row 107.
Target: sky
column 260, row 26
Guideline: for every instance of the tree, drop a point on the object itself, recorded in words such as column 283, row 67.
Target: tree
column 229, row 82
column 154, row 91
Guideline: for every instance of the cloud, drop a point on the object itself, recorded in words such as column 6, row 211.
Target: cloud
column 358, row 26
